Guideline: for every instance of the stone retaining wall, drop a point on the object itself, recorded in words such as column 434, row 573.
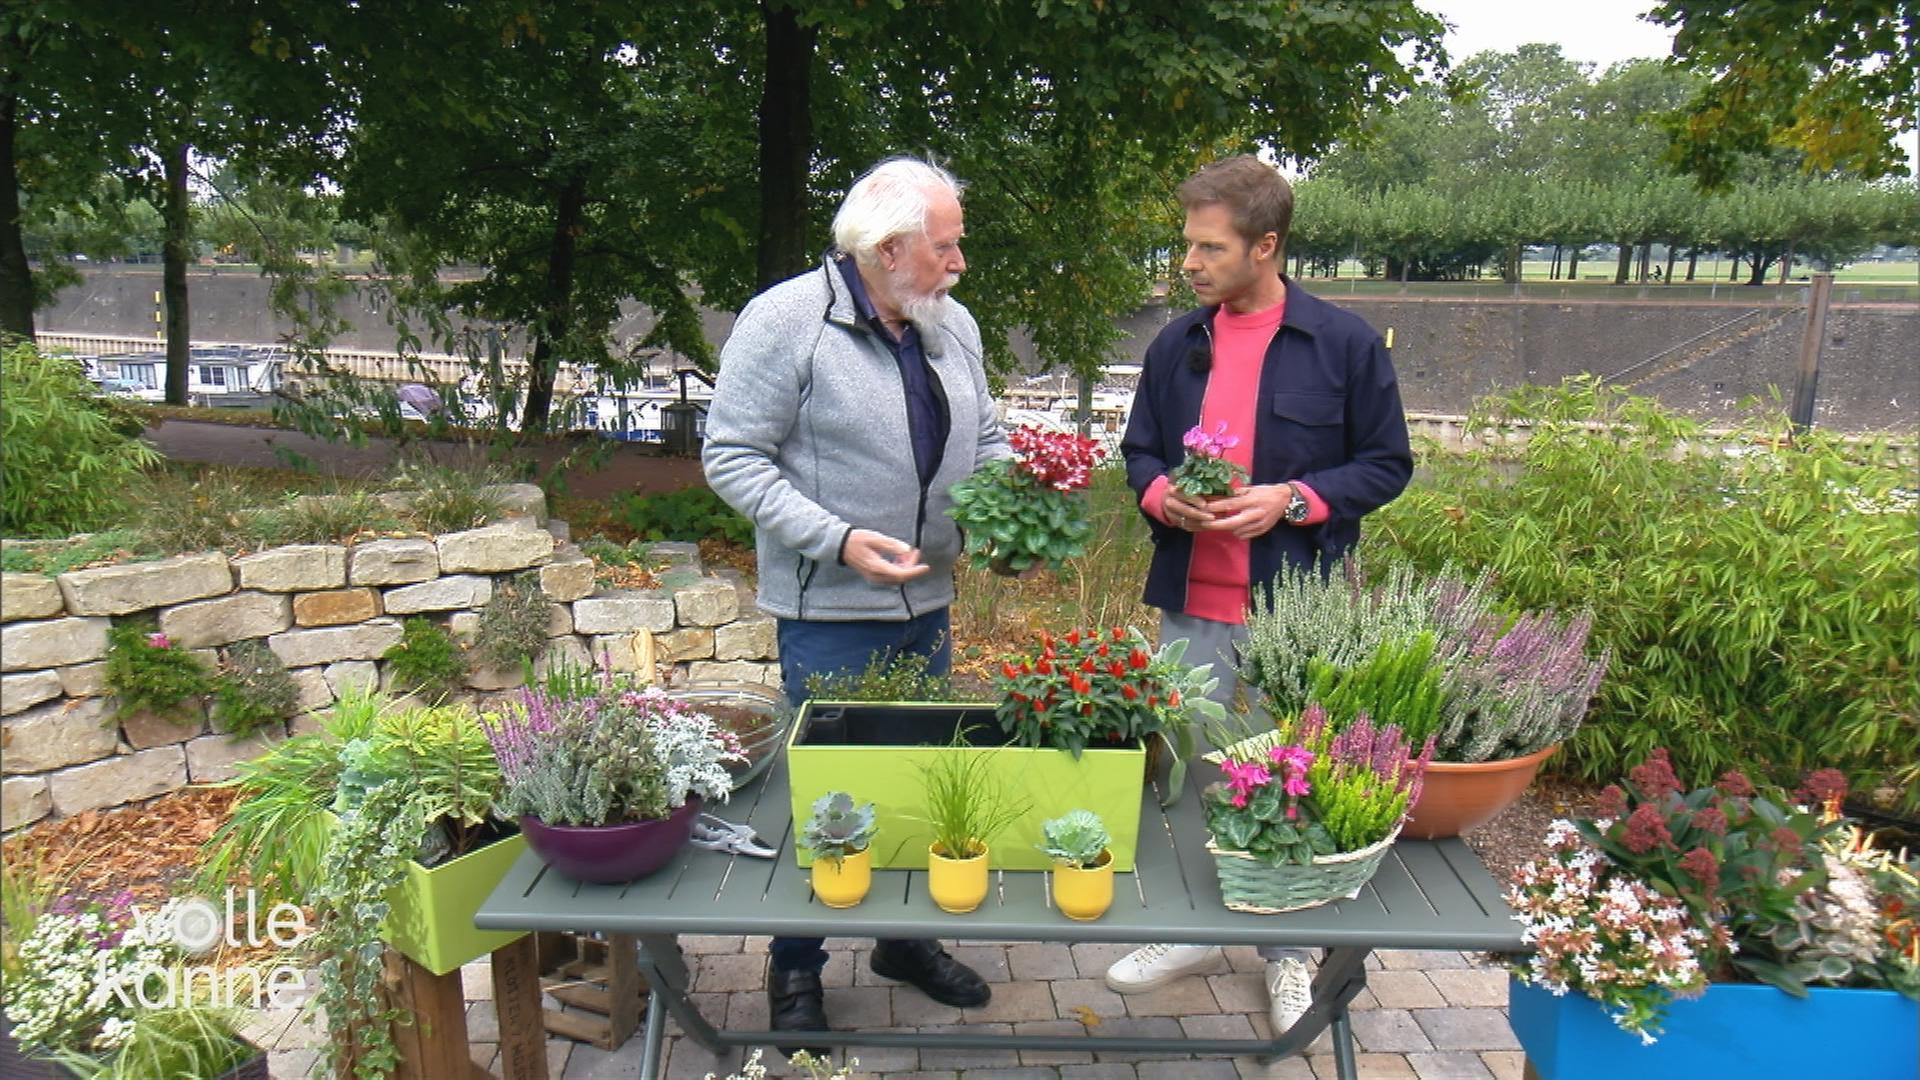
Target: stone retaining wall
column 329, row 612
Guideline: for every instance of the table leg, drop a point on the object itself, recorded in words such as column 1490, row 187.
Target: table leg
column 653, row 1038
column 1342, row 975
column 666, row 970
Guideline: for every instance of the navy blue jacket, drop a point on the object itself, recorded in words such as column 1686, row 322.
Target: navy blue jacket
column 1329, row 415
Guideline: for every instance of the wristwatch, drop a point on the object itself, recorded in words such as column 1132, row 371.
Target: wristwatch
column 1297, row 506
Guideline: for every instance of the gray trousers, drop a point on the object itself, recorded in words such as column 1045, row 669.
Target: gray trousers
column 1210, row 642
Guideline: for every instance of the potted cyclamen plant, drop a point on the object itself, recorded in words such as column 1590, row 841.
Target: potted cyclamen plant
column 1307, row 812
column 606, row 786
column 1031, row 508
column 1205, row 473
column 1724, row 931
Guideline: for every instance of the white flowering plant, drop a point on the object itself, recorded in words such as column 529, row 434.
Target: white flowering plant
column 1666, row 890
column 814, row 1068
column 609, row 757
column 91, row 988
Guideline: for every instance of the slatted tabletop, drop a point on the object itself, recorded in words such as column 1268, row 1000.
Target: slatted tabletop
column 1427, row 895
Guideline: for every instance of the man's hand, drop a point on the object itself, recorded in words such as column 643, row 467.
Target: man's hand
column 1251, row 512
column 881, row 559
column 1186, row 512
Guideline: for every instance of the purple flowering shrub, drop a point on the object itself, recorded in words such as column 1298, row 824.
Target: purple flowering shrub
column 608, row 757
column 1307, row 789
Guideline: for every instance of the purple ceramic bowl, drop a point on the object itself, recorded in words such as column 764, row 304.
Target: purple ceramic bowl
column 608, row 854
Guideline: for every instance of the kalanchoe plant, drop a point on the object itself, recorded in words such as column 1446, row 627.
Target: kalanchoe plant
column 838, row 827
column 1031, row 508
column 616, row 756
column 1306, row 790
column 1727, row 882
column 1077, row 838
column 1205, row 472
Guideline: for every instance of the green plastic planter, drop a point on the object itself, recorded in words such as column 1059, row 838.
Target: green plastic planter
column 875, row 751
column 431, row 921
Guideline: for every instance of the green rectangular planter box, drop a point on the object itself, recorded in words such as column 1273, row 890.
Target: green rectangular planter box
column 431, row 921
column 432, row 917
column 874, row 752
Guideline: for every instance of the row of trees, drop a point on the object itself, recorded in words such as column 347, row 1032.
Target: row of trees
column 1441, row 229
column 588, row 153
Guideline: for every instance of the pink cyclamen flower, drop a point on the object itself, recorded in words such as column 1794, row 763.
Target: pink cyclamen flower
column 1244, row 778
column 158, row 641
column 1294, row 761
column 1209, row 443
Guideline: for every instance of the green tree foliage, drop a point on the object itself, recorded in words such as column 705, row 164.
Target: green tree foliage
column 68, row 457
column 1837, row 82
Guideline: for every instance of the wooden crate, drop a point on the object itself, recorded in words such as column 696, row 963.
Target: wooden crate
column 598, row 975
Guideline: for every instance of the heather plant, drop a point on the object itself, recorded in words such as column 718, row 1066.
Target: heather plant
column 1205, row 472
column 617, row 756
column 1399, row 680
column 1327, row 614
column 1762, row 619
column 903, row 678
column 1020, row 512
column 69, row 457
column 1309, row 789
column 1667, row 888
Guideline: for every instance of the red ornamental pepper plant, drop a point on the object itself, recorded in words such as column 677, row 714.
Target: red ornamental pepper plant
column 1031, row 508
column 1104, row 688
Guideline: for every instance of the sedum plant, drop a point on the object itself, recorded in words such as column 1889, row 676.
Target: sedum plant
column 1077, row 838
column 838, row 827
column 252, row 689
column 148, row 673
column 426, row 658
column 513, row 623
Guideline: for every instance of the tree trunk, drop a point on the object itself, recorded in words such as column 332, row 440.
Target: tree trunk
column 16, row 279
column 786, row 144
column 557, row 319
column 1553, row 274
column 175, row 215
column 1624, row 266
column 1693, row 262
column 1760, row 263
column 1786, row 263
column 1573, row 265
column 1673, row 253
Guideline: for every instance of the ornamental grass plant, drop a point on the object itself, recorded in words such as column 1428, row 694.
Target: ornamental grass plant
column 1664, row 890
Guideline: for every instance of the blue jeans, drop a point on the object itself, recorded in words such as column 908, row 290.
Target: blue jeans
column 834, row 648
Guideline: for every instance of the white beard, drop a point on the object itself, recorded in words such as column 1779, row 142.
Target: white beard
column 925, row 310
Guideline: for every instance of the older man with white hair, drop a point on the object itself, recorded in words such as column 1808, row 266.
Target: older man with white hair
column 850, row 399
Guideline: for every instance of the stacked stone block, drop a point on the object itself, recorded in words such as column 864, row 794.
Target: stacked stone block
column 329, row 612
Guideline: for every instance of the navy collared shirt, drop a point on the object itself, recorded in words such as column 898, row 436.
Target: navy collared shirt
column 927, row 419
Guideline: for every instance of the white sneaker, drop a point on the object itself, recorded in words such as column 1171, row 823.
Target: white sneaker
column 1291, row 992
column 1151, row 967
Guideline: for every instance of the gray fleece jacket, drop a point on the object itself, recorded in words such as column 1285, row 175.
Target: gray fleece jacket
column 807, row 437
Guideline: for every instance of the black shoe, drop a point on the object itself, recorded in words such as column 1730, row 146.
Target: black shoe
column 926, row 965
column 795, row 1003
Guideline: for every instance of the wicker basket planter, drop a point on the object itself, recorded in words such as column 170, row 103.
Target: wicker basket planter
column 1247, row 884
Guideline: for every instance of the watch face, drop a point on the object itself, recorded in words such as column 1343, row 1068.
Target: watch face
column 1297, row 508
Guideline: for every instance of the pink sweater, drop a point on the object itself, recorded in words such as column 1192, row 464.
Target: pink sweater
column 1217, row 585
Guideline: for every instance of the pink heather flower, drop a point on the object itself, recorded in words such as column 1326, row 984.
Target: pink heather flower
column 158, row 641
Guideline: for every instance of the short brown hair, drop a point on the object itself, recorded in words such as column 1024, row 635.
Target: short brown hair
column 1258, row 197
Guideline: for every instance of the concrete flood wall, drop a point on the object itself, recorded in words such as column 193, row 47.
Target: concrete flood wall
column 1448, row 350
column 329, row 612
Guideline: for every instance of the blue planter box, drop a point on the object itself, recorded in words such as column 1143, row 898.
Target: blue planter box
column 1750, row 1032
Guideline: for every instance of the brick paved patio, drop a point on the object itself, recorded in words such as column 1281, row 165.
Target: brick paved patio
column 1424, row 1016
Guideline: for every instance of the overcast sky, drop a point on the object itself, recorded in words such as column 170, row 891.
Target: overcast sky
column 1600, row 32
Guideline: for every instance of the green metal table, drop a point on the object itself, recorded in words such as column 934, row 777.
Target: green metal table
column 1427, row 895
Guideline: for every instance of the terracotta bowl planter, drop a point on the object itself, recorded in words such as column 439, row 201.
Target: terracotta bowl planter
column 1457, row 797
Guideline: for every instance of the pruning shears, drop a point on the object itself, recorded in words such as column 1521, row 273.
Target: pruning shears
column 719, row 834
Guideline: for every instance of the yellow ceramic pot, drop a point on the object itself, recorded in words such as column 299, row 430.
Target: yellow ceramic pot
column 957, row 885
column 843, row 882
column 1084, row 894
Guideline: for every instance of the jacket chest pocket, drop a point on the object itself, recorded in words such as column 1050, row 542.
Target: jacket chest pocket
column 1309, row 429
